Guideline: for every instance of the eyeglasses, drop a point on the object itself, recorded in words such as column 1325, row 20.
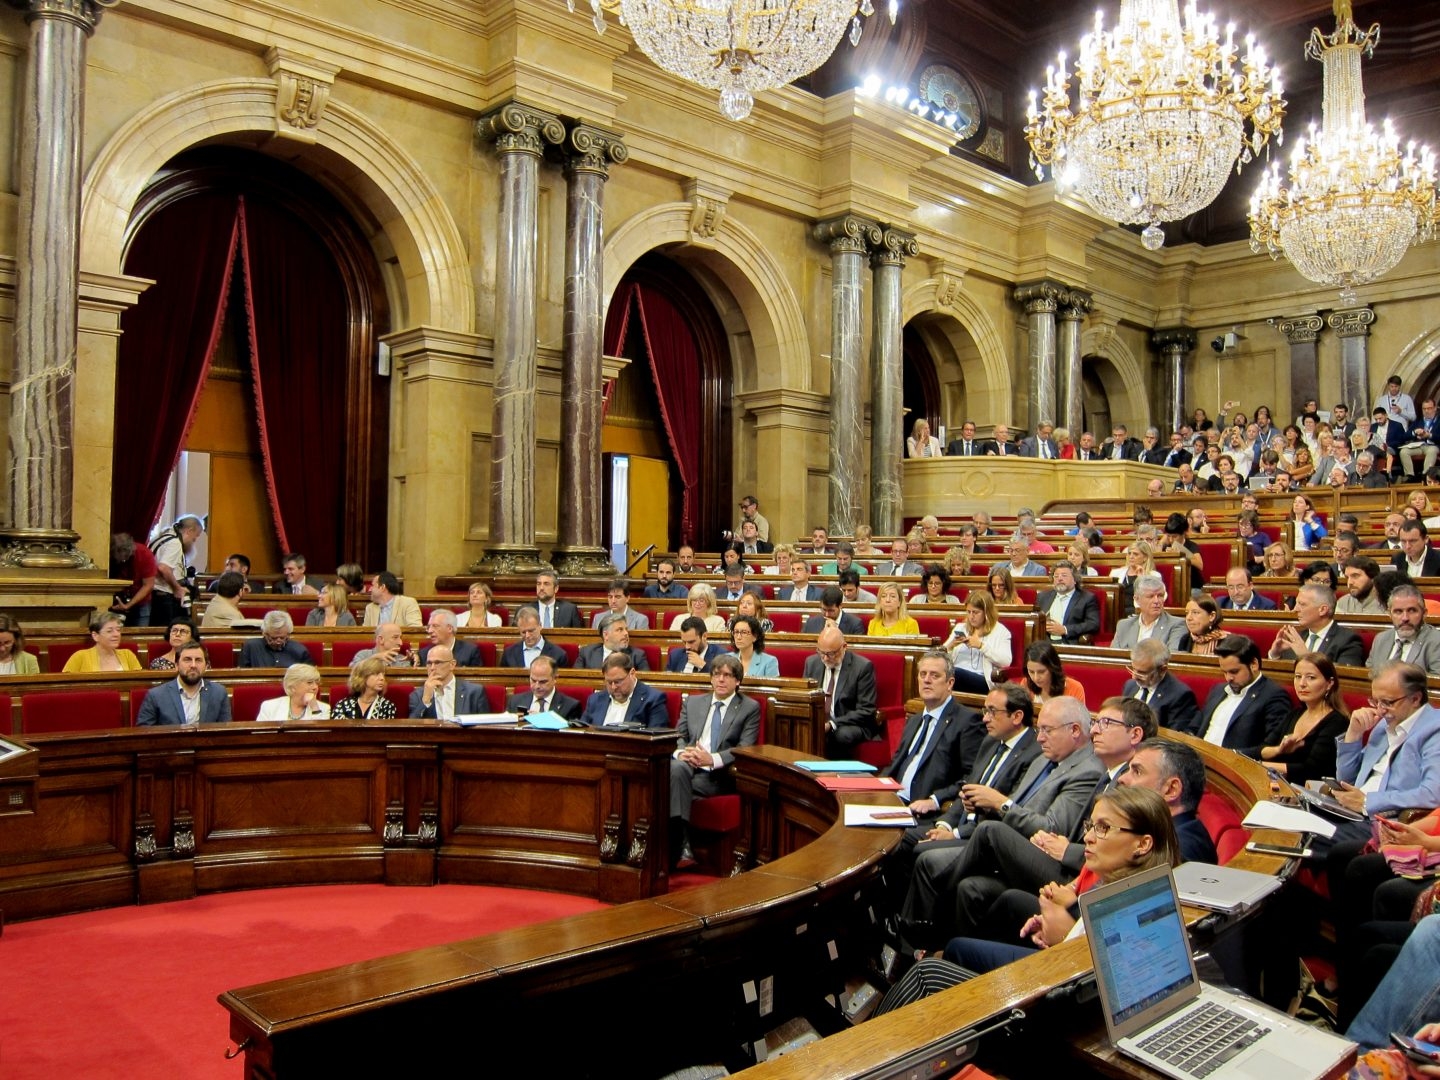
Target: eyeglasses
column 1102, row 829
column 1050, row 729
column 1387, row 704
column 991, row 710
column 1109, row 721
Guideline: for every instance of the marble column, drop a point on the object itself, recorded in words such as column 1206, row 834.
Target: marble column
column 887, row 381
column 1352, row 327
column 1174, row 346
column 1074, row 306
column 1301, row 332
column 850, row 237
column 588, row 154
column 47, row 287
column 520, row 134
column 1041, row 299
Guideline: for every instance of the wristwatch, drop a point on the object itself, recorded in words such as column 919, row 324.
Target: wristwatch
column 1005, row 806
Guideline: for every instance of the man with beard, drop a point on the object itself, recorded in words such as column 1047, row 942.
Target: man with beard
column 1360, row 599
column 189, row 699
column 1410, row 638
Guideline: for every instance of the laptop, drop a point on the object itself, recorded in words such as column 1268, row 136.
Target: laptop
column 1158, row 1012
column 1222, row 888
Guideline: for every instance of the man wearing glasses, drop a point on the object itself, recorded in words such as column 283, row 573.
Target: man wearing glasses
column 442, row 696
column 1169, row 698
column 1398, row 766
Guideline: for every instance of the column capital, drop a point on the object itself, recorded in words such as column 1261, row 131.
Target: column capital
column 1351, row 323
column 1040, row 297
column 83, row 13
column 848, row 234
column 1178, row 339
column 894, row 247
column 1300, row 329
column 1075, row 305
column 593, row 149
column 520, row 129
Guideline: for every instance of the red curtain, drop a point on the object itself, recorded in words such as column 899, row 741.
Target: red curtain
column 675, row 365
column 617, row 325
column 298, row 316
column 166, row 345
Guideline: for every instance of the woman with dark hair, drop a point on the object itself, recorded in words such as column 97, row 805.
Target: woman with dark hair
column 1130, row 830
column 179, row 633
column 14, row 660
column 1309, row 526
column 1045, row 676
column 934, row 586
column 1002, row 585
column 1202, row 626
column 747, row 637
column 1306, row 750
column 1319, row 572
column 980, row 645
column 105, row 654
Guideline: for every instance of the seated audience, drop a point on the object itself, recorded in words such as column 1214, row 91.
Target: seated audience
column 844, row 560
column 747, row 636
column 696, row 651
column 702, row 606
column 441, row 630
column 1002, row 586
column 939, row 744
column 980, row 645
column 478, row 614
column 390, row 647
column 14, row 660
column 751, row 604
column 784, row 559
column 295, row 582
column 1315, row 630
column 1410, row 638
column 352, row 576
column 665, row 587
column 900, row 563
column 1175, row 540
column 189, row 698
column 1045, row 676
column 891, row 618
column 1416, row 557
column 332, row 608
column 1150, row 618
column 847, row 680
column 1203, row 628
column 626, row 699
column 865, row 542
column 1169, row 697
column 222, row 611
column 1305, row 749
column 850, row 591
column 1071, row 615
column 1247, row 710
column 1078, row 556
column 274, row 648
column 105, row 654
column 614, row 637
column 532, row 643
column 302, row 697
column 542, row 695
column 935, row 585
column 387, row 604
column 367, row 700
column 179, row 631
column 442, row 696
column 921, row 444
column 1360, row 596
column 831, row 614
column 1309, row 525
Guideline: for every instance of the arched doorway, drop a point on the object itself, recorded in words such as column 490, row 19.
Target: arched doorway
column 254, row 348
column 674, row 396
column 922, row 382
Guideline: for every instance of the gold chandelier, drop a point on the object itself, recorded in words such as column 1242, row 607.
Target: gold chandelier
column 739, row 47
column 1158, row 117
column 1355, row 202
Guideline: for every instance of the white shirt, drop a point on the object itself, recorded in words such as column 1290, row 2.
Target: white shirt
column 711, row 739
column 1223, row 714
column 463, row 619
column 1376, row 780
column 615, row 712
column 445, row 701
column 1058, row 609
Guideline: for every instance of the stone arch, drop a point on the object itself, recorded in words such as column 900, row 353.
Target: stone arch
column 989, row 387
column 352, row 155
column 1124, row 376
column 735, row 258
column 1414, row 365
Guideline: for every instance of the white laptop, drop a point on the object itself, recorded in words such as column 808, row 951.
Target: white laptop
column 1159, row 1012
column 1222, row 888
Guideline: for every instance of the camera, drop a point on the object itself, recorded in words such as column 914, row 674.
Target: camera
column 1218, row 344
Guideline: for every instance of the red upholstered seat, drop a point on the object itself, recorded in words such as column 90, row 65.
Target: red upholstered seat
column 399, row 693
column 70, row 710
column 245, row 699
column 937, row 626
column 1222, row 822
column 342, row 653
column 791, row 659
column 653, row 656
column 719, row 814
column 221, row 654
column 495, row 694
column 572, row 650
column 786, row 622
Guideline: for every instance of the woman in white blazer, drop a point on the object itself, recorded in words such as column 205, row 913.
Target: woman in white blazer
column 301, row 700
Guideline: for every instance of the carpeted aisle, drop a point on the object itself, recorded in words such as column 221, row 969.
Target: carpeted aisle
column 130, row 992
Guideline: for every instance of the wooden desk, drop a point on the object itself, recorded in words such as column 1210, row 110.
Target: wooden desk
column 958, row 486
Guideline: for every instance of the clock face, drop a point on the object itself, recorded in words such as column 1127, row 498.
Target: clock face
column 945, row 88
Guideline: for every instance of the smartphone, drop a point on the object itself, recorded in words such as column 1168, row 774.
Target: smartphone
column 1423, row 1052
column 1331, row 782
column 1278, row 849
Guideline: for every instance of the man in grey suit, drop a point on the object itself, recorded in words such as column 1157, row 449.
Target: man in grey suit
column 617, row 598
column 1051, row 796
column 1410, row 638
column 1039, row 445
column 189, row 699
column 848, row 682
column 442, row 696
column 1150, row 620
column 1172, row 701
column 900, row 564
column 614, row 637
column 712, row 726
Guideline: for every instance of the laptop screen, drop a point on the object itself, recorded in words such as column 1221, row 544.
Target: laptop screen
column 1139, row 946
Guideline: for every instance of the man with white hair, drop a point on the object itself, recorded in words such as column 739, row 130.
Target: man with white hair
column 389, row 646
column 1315, row 630
column 1150, row 620
column 441, row 628
column 274, row 648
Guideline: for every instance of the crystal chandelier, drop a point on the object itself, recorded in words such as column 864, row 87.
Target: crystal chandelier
column 739, row 47
column 1355, row 202
column 1159, row 114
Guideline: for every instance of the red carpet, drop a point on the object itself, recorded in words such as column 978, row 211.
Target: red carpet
column 130, row 992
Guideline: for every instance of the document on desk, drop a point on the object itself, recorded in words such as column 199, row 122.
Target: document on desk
column 878, row 816
column 1272, row 815
column 823, row 766
column 482, row 719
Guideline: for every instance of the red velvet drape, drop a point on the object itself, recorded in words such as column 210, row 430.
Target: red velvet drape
column 298, row 317
column 166, row 345
column 675, row 365
column 617, row 325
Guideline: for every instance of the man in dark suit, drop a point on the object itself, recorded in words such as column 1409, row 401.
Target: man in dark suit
column 939, row 744
column 735, row 587
column 848, row 682
column 614, row 637
column 1169, row 698
column 532, row 643
column 441, row 628
column 1387, row 436
column 1177, row 454
column 1240, row 594
column 274, row 648
column 1185, row 483
column 1152, row 451
column 542, row 695
column 696, row 651
column 1416, row 557
column 626, row 699
column 1120, row 446
column 831, row 614
column 1039, row 445
column 295, row 582
column 553, row 612
column 1418, row 454
column 188, row 698
column 967, row 445
column 750, row 543
column 1315, row 630
column 1246, row 711
column 800, row 588
column 442, row 696
column 712, row 727
column 1070, row 614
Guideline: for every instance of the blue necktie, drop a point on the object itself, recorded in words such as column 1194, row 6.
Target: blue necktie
column 1037, row 783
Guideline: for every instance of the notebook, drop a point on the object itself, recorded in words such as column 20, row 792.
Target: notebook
column 1222, row 888
column 1157, row 1010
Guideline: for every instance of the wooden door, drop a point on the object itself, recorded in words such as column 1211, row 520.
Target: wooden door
column 649, row 502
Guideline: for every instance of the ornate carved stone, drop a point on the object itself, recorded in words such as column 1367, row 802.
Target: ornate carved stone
column 429, row 830
column 1301, row 330
column 303, row 86
column 1075, row 305
column 1040, row 297
column 1168, row 341
column 517, row 128
column 1174, row 345
column 893, row 247
column 144, row 842
column 610, row 839
column 848, row 233
column 42, row 549
column 707, row 208
column 83, row 13
column 639, row 839
column 947, row 288
column 509, row 559
column 1352, row 323
column 394, row 826
column 593, row 149
column 183, row 840
column 582, row 562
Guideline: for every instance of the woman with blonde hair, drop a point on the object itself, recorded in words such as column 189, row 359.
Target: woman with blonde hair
column 957, row 561
column 784, row 555
column 332, row 608
column 891, row 617
column 701, row 604
column 367, row 700
column 865, row 543
column 1278, row 561
column 921, row 443
column 301, row 701
column 980, row 645
column 14, row 660
column 478, row 614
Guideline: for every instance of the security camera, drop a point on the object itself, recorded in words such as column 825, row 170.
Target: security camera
column 1218, row 344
